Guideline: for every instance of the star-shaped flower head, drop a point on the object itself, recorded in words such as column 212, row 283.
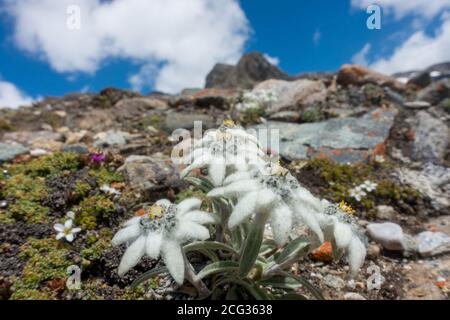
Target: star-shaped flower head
column 273, row 191
column 341, row 229
column 162, row 231
column 223, row 151
column 66, row 230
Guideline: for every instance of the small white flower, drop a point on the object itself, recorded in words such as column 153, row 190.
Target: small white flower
column 223, row 151
column 66, row 231
column 70, row 215
column 369, row 186
column 357, row 193
column 343, row 232
column 379, row 158
column 276, row 192
column 109, row 190
column 162, row 231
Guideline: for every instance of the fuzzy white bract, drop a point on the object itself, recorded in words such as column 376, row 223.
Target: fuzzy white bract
column 162, row 231
column 66, row 231
column 224, row 151
column 256, row 99
column 341, row 229
column 271, row 190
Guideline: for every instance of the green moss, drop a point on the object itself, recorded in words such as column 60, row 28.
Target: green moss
column 82, row 189
column 47, row 259
column 5, row 125
column 93, row 210
column 105, row 176
column 312, row 114
column 24, row 187
column 5, row 218
column 96, row 246
column 392, row 192
column 49, row 165
column 29, row 211
column 155, row 120
column 374, row 94
column 445, row 104
column 252, row 115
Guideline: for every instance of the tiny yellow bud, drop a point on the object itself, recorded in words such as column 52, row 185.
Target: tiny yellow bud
column 346, row 208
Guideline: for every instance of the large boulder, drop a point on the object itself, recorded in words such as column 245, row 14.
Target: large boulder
column 345, row 140
column 251, row 69
column 352, row 74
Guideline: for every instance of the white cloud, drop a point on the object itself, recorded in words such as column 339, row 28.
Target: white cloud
column 12, row 97
column 316, row 37
column 273, row 60
column 361, row 56
column 401, row 8
column 184, row 39
column 417, row 52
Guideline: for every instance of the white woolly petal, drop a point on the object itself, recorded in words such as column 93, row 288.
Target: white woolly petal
column 58, row 227
column 356, row 255
column 327, row 223
column 266, row 199
column 201, row 217
column 133, row 220
column 217, row 169
column 281, row 223
column 173, row 258
column 195, row 154
column 342, row 235
column 153, row 244
column 163, row 202
column 191, row 231
column 235, row 189
column 126, row 234
column 236, row 177
column 132, row 255
column 243, row 209
column 188, row 205
column 306, row 197
column 309, row 219
column 198, row 163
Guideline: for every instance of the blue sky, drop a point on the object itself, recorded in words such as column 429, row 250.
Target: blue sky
column 168, row 45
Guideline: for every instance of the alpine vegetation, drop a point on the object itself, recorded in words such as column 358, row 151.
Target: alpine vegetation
column 247, row 232
column 66, row 231
column 254, row 100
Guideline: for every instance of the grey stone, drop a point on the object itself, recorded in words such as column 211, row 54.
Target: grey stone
column 178, row 120
column 435, row 92
column 334, row 282
column 110, row 138
column 417, row 104
column 432, row 243
column 432, row 181
column 76, row 148
column 388, row 234
column 431, row 138
column 296, row 141
column 8, row 151
column 385, row 212
column 29, row 137
column 353, row 296
column 288, row 116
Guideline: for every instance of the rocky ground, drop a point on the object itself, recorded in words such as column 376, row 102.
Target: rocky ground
column 101, row 156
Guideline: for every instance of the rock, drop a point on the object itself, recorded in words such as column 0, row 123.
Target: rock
column 373, row 251
column 29, row 137
column 8, row 151
column 334, row 282
column 140, row 103
column 76, row 148
column 49, row 145
column 432, row 181
column 60, row 113
column 420, row 79
column 288, row 116
column 388, row 234
column 385, row 212
column 420, row 280
column 38, row 152
column 178, row 120
column 432, row 243
column 359, row 75
column 439, row 224
column 219, row 98
column 293, row 93
column 353, row 296
column 435, row 92
column 76, row 137
column 251, row 69
column 430, row 139
column 110, row 138
column 417, row 104
column 147, row 173
column 346, row 140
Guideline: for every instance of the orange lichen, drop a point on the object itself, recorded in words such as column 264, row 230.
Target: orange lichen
column 324, row 253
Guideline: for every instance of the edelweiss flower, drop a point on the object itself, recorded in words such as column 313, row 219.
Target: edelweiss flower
column 66, row 230
column 358, row 193
column 163, row 230
column 273, row 191
column 341, row 229
column 369, row 186
column 226, row 149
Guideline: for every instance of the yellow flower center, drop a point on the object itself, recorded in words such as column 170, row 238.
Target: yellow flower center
column 346, row 208
column 155, row 212
column 278, row 170
column 228, row 123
